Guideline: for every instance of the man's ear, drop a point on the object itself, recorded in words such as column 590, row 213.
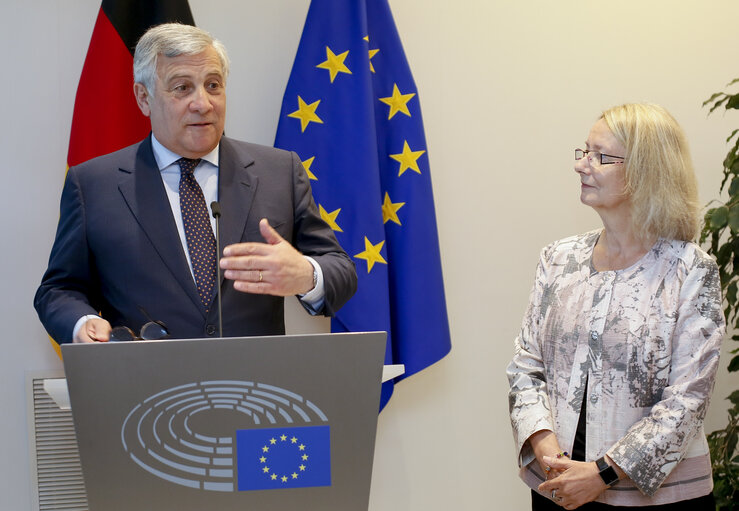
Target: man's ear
column 142, row 98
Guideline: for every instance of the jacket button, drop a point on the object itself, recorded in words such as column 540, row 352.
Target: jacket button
column 210, row 329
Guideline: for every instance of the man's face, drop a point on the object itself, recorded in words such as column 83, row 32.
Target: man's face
column 188, row 107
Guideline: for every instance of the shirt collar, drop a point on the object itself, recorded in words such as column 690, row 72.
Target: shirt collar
column 164, row 157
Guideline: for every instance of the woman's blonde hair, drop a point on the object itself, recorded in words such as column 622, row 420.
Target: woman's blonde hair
column 660, row 179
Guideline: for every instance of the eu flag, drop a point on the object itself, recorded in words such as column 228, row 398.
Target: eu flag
column 351, row 112
column 274, row 458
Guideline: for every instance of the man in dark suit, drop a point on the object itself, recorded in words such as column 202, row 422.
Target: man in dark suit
column 135, row 240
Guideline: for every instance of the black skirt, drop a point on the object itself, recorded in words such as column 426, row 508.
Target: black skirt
column 705, row 503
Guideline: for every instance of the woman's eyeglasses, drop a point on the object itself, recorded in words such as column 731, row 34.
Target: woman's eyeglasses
column 597, row 157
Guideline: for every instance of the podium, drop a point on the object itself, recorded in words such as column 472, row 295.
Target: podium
column 264, row 423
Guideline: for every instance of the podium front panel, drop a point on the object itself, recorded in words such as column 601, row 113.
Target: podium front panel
column 267, row 423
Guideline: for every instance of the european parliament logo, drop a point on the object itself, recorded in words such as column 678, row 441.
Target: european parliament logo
column 230, row 436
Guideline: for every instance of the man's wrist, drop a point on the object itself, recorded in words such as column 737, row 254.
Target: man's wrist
column 316, row 294
column 80, row 323
column 315, row 280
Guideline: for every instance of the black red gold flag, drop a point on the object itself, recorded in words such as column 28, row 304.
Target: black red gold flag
column 106, row 117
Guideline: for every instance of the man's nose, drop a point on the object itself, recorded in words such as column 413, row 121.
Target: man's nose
column 201, row 100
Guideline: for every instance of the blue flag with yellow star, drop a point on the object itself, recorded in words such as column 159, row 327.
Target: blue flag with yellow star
column 351, row 112
column 275, row 458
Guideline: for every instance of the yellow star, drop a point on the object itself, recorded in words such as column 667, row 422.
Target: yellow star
column 302, row 468
column 283, row 479
column 273, row 477
column 295, row 476
column 301, row 447
column 304, row 456
column 334, row 63
column 294, row 440
column 398, row 102
column 272, row 441
column 262, row 459
column 330, row 219
column 390, row 210
column 283, row 438
column 306, row 165
column 265, row 469
column 408, row 159
column 372, row 53
column 306, row 113
column 265, row 449
column 371, row 254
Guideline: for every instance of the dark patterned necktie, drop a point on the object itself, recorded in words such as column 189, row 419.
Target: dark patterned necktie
column 198, row 232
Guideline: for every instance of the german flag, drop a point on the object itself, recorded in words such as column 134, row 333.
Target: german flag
column 106, row 117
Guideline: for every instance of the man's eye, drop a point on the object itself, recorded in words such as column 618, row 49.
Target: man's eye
column 213, row 86
column 180, row 88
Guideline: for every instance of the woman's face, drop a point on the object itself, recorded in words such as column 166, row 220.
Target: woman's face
column 602, row 186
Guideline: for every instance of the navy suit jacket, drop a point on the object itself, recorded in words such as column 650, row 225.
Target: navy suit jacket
column 117, row 250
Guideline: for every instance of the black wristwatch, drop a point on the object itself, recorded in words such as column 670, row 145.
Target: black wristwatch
column 606, row 472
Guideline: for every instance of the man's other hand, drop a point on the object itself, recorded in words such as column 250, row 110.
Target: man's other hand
column 94, row 330
column 273, row 268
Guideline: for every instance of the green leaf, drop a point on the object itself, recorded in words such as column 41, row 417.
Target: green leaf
column 732, row 441
column 734, row 216
column 733, row 101
column 733, row 133
column 731, row 294
column 734, row 167
column 723, row 255
column 715, row 238
column 718, row 104
column 734, row 397
column 713, row 97
column 719, row 218
column 732, row 82
column 734, row 364
column 724, row 276
column 734, row 186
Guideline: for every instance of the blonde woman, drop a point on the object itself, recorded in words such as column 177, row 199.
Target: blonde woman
column 616, row 359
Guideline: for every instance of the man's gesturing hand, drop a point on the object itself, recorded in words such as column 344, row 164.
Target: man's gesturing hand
column 273, row 268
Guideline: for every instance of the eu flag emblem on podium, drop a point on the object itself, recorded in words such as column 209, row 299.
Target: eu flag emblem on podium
column 352, row 114
column 275, row 458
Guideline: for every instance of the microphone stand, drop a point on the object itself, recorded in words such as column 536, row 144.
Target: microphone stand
column 215, row 208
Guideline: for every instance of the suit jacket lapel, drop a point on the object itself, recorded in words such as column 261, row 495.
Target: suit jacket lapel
column 143, row 190
column 236, row 189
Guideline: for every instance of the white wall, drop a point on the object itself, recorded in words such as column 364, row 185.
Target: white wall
column 508, row 89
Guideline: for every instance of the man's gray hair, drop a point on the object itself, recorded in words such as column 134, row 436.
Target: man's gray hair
column 172, row 40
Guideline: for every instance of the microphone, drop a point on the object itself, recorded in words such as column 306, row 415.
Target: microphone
column 215, row 208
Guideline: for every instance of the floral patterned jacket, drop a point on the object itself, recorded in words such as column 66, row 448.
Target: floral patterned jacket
column 647, row 338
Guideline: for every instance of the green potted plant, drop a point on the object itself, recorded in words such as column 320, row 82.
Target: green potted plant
column 721, row 230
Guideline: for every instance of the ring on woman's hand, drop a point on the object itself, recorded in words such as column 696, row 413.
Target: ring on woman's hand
column 260, row 276
column 554, row 496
